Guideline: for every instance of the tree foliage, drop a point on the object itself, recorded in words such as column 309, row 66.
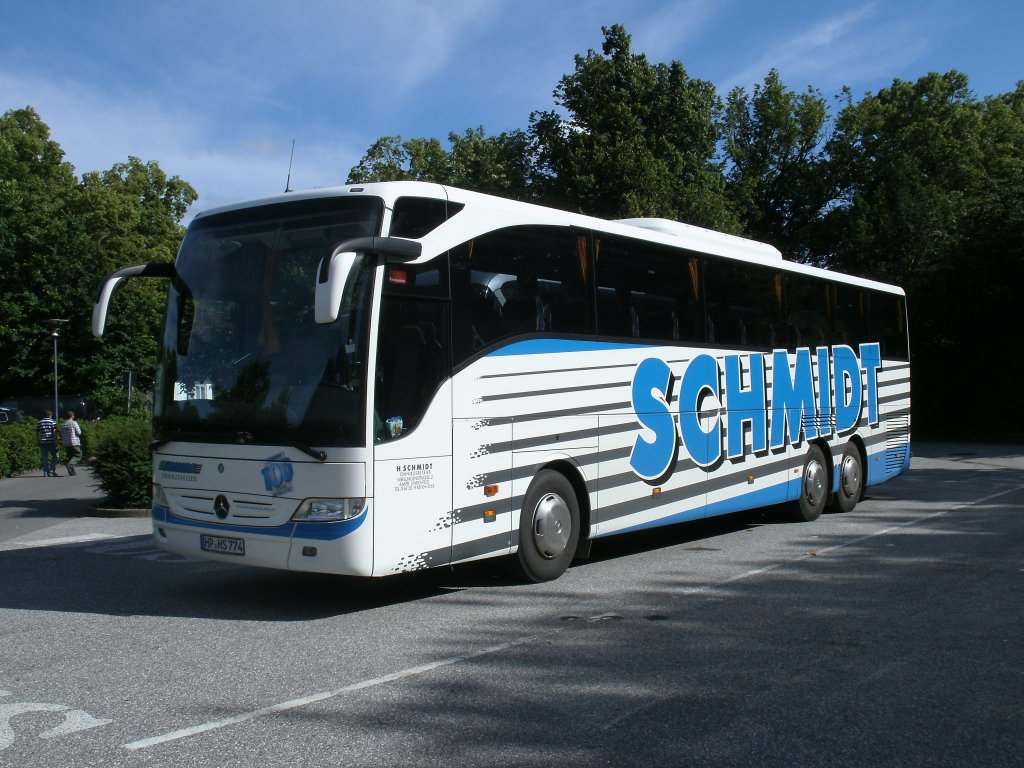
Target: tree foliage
column 495, row 165
column 931, row 194
column 636, row 139
column 920, row 184
column 58, row 236
column 777, row 177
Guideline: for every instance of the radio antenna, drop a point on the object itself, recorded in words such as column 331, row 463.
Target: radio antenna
column 288, row 182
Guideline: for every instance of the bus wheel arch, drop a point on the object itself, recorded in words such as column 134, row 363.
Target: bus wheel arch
column 851, row 475
column 550, row 524
column 815, row 482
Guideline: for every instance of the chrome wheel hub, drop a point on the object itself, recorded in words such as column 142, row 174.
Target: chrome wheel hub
column 850, row 476
column 551, row 526
column 814, row 484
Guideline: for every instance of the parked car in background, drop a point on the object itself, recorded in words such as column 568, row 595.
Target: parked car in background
column 35, row 405
column 9, row 415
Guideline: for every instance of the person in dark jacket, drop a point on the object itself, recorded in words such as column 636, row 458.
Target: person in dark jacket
column 47, row 432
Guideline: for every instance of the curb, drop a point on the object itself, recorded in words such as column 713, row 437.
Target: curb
column 112, row 512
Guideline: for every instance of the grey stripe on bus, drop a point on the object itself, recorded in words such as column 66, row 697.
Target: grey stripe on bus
column 683, row 465
column 465, row 550
column 473, row 513
column 593, row 457
column 549, row 391
column 516, row 374
column 623, row 408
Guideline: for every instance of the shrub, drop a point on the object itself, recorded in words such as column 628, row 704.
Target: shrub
column 119, row 449
column 111, row 401
column 19, row 447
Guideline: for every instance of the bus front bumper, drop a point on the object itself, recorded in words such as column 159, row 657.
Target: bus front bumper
column 344, row 548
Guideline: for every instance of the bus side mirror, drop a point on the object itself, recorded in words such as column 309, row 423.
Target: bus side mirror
column 113, row 281
column 333, row 273
column 327, row 302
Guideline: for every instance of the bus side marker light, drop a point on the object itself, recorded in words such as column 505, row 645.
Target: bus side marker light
column 309, row 551
column 655, row 491
column 490, row 490
column 490, row 515
column 750, row 479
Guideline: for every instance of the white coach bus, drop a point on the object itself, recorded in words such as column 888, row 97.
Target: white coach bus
column 381, row 378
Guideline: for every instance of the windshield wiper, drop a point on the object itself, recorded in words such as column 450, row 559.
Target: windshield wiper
column 316, row 453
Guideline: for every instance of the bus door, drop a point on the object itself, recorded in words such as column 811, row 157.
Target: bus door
column 412, row 486
column 412, row 415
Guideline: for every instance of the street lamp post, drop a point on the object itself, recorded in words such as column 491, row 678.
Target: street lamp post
column 55, row 324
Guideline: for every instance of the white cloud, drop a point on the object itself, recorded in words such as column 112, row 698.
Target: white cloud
column 97, row 130
column 860, row 44
column 664, row 32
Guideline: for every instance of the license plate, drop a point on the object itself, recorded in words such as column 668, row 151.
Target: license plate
column 222, row 545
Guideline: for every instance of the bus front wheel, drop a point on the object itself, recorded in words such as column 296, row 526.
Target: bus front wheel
column 814, row 485
column 549, row 528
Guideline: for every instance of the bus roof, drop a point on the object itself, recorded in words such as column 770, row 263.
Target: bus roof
column 492, row 212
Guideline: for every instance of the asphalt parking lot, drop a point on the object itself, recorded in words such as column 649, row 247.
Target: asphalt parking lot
column 888, row 636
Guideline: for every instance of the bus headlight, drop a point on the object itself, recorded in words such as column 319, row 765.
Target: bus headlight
column 159, row 497
column 329, row 510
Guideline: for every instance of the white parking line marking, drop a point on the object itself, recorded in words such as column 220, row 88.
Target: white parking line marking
column 835, row 547
column 324, row 695
column 145, row 545
column 82, row 539
column 430, row 666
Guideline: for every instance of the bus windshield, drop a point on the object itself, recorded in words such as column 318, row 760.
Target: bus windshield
column 243, row 360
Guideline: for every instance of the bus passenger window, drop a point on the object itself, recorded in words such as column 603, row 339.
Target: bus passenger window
column 516, row 282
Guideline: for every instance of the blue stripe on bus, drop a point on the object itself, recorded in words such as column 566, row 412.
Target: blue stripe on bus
column 318, row 531
column 557, row 346
column 888, row 464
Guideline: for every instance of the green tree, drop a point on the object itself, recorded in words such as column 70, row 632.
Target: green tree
column 774, row 144
column 37, row 188
column 129, row 214
column 634, row 139
column 58, row 237
column 496, row 165
column 931, row 189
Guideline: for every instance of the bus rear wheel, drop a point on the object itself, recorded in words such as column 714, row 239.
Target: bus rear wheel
column 851, row 479
column 814, row 486
column 549, row 528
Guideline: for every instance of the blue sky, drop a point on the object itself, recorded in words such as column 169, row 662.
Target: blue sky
column 216, row 91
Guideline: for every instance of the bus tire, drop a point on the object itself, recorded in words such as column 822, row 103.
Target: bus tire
column 851, row 479
column 814, row 485
column 549, row 528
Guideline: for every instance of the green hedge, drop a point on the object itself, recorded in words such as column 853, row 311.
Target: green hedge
column 119, row 453
column 117, row 449
column 19, row 448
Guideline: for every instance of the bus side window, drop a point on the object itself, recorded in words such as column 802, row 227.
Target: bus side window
column 519, row 281
column 646, row 291
column 807, row 312
column 887, row 320
column 744, row 304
